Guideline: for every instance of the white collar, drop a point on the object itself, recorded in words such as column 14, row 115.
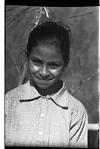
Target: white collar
column 61, row 97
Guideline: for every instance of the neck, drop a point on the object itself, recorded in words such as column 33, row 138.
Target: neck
column 51, row 90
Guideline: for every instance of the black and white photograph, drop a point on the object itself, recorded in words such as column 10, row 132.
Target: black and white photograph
column 51, row 76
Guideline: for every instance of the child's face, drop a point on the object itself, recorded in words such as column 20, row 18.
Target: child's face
column 45, row 66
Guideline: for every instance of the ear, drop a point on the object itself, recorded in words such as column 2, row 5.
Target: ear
column 63, row 73
column 23, row 75
column 64, row 68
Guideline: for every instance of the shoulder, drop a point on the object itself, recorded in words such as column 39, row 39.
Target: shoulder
column 74, row 103
column 13, row 96
column 16, row 92
column 76, row 107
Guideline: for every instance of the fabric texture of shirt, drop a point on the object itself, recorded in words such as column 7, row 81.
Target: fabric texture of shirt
column 35, row 120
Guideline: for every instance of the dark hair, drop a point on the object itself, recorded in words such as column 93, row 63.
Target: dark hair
column 53, row 34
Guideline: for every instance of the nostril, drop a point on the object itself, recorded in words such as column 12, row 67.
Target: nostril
column 44, row 72
column 44, row 75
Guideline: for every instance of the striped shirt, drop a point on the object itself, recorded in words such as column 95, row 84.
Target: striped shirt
column 57, row 120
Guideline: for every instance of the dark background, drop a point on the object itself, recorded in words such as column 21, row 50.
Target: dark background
column 81, row 76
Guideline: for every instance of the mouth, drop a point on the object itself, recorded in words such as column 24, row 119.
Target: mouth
column 43, row 82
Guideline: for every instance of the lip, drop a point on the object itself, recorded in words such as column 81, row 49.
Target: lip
column 43, row 82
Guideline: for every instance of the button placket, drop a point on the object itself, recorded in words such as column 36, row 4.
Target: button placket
column 42, row 121
column 43, row 107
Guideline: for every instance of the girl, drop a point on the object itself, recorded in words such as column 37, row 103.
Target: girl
column 41, row 112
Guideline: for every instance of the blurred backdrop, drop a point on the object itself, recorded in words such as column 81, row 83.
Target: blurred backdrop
column 81, row 75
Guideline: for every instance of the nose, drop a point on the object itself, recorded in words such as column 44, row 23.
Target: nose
column 44, row 71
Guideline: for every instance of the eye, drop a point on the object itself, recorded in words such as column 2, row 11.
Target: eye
column 54, row 65
column 36, row 61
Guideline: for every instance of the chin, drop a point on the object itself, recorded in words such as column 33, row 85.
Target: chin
column 42, row 86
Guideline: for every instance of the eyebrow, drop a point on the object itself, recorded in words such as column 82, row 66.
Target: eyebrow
column 51, row 62
column 54, row 62
column 35, row 60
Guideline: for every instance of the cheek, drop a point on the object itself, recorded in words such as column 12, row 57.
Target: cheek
column 33, row 67
column 56, row 72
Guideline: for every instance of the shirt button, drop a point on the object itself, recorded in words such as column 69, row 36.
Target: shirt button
column 42, row 115
column 40, row 132
column 47, row 97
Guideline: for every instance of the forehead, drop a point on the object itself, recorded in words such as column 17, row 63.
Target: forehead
column 47, row 52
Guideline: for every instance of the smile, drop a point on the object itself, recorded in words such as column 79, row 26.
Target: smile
column 43, row 82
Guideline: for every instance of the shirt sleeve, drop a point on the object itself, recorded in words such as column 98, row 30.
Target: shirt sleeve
column 79, row 128
column 8, row 119
column 6, row 107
